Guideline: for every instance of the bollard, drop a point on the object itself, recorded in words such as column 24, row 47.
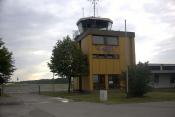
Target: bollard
column 103, row 95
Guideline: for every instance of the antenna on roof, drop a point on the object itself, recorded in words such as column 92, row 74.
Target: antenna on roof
column 94, row 2
column 83, row 11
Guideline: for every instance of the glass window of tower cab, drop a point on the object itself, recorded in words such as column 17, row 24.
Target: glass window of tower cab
column 109, row 54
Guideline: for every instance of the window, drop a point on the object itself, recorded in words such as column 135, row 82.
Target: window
column 95, row 81
column 156, row 78
column 106, row 56
column 168, row 67
column 154, row 67
column 172, row 79
column 98, row 40
column 99, row 81
column 99, row 56
column 105, row 40
column 112, row 56
column 80, row 27
column 95, row 78
column 113, row 81
column 111, row 41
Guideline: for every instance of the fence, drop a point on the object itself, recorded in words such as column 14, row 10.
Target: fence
column 34, row 88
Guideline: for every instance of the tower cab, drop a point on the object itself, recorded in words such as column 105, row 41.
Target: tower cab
column 94, row 23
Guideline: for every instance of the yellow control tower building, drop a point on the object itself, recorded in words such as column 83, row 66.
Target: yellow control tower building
column 109, row 53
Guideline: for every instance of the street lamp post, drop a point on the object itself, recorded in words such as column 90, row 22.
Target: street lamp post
column 126, row 61
column 53, row 84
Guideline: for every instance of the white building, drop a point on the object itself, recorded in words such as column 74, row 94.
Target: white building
column 163, row 75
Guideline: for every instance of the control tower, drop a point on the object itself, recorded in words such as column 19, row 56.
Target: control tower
column 109, row 53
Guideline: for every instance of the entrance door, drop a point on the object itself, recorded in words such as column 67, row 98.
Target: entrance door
column 102, row 81
column 99, row 82
column 113, row 81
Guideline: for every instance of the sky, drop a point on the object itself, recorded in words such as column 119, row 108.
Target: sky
column 30, row 29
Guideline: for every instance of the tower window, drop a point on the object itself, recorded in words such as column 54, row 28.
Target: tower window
column 111, row 40
column 106, row 56
column 98, row 40
column 105, row 40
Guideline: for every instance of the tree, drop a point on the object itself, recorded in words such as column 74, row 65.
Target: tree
column 68, row 60
column 139, row 79
column 6, row 63
column 80, row 61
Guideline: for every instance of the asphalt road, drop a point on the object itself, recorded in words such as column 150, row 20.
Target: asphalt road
column 33, row 105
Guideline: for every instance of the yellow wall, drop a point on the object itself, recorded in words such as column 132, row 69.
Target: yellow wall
column 127, row 52
column 105, row 66
column 86, row 48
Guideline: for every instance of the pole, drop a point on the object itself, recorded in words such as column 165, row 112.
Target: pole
column 127, row 80
column 94, row 6
column 53, row 85
column 94, row 2
column 83, row 11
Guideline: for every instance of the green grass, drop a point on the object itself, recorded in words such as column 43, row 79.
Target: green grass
column 149, row 97
column 117, row 97
column 90, row 97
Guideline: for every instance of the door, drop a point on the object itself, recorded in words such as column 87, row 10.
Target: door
column 101, row 81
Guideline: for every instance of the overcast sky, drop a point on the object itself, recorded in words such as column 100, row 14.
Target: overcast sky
column 30, row 29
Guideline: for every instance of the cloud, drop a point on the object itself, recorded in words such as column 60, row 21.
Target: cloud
column 31, row 28
column 163, row 16
column 37, row 71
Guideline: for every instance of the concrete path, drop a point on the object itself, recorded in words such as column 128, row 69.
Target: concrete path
column 32, row 105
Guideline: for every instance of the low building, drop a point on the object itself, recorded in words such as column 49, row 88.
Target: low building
column 163, row 75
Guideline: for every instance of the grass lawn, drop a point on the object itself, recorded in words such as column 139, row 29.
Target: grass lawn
column 116, row 97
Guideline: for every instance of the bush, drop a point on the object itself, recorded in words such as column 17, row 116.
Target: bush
column 139, row 80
